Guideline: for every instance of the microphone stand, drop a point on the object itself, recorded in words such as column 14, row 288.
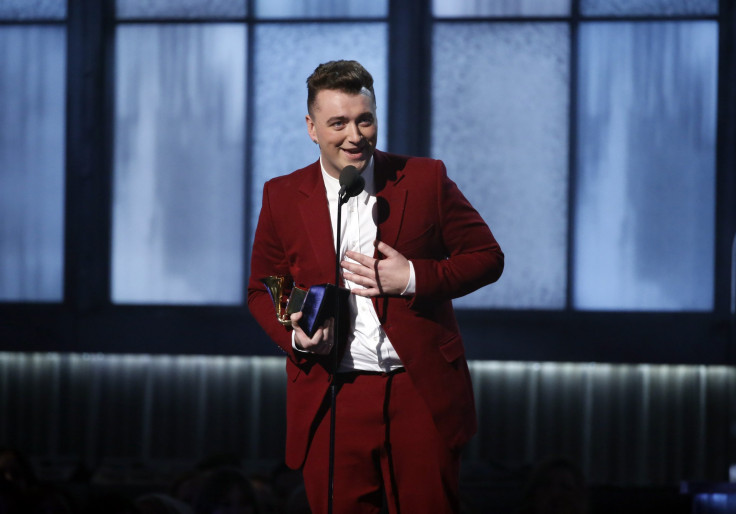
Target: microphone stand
column 342, row 198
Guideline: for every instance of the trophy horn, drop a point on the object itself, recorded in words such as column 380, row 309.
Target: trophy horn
column 276, row 285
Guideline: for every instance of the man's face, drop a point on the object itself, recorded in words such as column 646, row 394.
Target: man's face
column 344, row 126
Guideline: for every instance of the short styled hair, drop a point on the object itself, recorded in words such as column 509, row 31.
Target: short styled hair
column 346, row 76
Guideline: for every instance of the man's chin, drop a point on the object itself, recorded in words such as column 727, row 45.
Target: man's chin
column 360, row 164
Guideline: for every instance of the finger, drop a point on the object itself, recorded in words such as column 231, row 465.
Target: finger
column 363, row 259
column 302, row 339
column 385, row 249
column 358, row 270
column 321, row 341
column 314, row 344
column 323, row 348
column 368, row 292
column 326, row 336
column 323, row 338
column 361, row 280
column 294, row 318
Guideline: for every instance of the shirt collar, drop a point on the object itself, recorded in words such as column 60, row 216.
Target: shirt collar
column 333, row 185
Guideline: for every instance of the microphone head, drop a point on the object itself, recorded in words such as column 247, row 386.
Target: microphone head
column 352, row 181
column 348, row 175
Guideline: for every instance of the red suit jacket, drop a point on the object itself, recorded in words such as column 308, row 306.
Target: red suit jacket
column 423, row 215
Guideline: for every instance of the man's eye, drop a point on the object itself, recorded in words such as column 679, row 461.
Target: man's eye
column 338, row 124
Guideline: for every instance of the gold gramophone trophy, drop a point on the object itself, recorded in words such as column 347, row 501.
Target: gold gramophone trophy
column 285, row 306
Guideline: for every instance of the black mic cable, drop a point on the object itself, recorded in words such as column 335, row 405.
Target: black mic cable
column 352, row 184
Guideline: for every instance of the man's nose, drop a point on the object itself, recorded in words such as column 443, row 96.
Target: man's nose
column 354, row 133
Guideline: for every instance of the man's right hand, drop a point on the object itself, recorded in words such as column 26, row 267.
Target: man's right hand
column 322, row 341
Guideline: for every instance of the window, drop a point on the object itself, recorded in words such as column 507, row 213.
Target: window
column 32, row 121
column 619, row 215
column 596, row 137
column 500, row 123
column 179, row 160
column 286, row 54
column 181, row 145
column 645, row 197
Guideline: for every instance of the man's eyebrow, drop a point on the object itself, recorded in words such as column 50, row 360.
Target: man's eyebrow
column 363, row 115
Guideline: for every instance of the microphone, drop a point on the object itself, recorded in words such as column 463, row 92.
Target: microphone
column 351, row 182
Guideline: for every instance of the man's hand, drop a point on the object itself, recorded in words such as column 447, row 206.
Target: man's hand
column 388, row 276
column 322, row 341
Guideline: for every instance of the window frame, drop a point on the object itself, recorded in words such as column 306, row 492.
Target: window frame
column 87, row 321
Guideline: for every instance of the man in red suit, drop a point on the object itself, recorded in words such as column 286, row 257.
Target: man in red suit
column 410, row 243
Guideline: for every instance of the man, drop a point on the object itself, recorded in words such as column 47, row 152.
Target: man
column 410, row 242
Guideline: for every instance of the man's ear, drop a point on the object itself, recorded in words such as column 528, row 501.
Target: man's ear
column 311, row 128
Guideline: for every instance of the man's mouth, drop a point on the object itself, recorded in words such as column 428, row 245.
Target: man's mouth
column 353, row 153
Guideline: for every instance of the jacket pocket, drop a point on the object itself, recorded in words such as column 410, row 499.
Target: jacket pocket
column 292, row 371
column 452, row 349
column 419, row 243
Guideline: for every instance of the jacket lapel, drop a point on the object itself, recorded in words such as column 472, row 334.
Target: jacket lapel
column 390, row 205
column 391, row 199
column 315, row 215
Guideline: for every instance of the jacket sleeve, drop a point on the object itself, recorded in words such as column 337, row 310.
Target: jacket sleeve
column 472, row 258
column 268, row 258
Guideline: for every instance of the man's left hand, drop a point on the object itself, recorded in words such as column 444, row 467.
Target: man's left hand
column 388, row 276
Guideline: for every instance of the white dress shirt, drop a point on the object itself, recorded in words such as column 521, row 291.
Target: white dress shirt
column 369, row 348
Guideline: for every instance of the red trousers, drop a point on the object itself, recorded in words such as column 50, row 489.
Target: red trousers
column 387, row 451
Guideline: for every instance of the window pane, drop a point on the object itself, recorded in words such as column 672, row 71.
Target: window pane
column 32, row 9
column 652, row 7
column 473, row 8
column 181, row 8
column 285, row 56
column 32, row 120
column 500, row 123
column 178, row 184
column 644, row 236
column 320, row 8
